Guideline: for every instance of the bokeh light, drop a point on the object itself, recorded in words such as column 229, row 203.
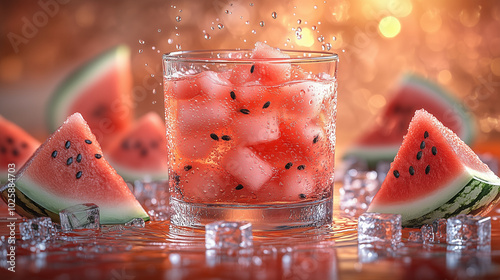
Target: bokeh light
column 389, row 27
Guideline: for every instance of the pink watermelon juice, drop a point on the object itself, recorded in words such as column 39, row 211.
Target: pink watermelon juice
column 248, row 128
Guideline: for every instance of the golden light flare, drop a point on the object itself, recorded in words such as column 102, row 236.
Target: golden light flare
column 307, row 39
column 389, row 27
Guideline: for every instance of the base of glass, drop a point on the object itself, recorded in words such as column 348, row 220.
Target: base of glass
column 262, row 217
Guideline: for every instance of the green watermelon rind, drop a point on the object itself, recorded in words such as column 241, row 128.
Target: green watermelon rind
column 374, row 154
column 483, row 186
column 475, row 198
column 68, row 92
column 119, row 215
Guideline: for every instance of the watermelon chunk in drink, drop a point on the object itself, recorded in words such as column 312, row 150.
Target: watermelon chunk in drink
column 253, row 134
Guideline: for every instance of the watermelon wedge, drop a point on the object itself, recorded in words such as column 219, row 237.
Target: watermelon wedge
column 69, row 169
column 101, row 91
column 141, row 152
column 383, row 138
column 435, row 175
column 16, row 147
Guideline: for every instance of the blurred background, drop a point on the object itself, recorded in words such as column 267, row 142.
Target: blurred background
column 455, row 43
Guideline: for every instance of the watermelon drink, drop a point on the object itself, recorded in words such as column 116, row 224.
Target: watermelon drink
column 251, row 136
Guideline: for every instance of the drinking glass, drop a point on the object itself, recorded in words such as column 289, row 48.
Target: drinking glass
column 251, row 139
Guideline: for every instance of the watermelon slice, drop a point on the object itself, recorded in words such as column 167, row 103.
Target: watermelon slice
column 16, row 147
column 141, row 152
column 101, row 91
column 382, row 140
column 69, row 169
column 435, row 175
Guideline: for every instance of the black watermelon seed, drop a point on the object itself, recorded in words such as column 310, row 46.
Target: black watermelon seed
column 88, row 141
column 98, row 156
column 266, row 105
column 10, row 140
column 316, row 139
column 187, row 167
column 233, row 95
column 427, row 169
column 301, row 167
column 214, row 136
column 239, row 187
column 302, row 196
column 79, row 158
column 69, row 161
column 245, row 111
column 3, row 150
column 422, row 145
column 78, row 174
column 67, row 144
column 15, row 152
column 144, row 152
column 24, row 145
column 419, row 155
column 434, row 150
column 426, row 134
column 252, row 68
column 226, row 137
column 396, row 173
column 54, row 154
column 412, row 170
column 288, row 165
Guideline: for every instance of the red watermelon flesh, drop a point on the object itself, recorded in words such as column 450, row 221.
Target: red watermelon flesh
column 432, row 166
column 16, row 147
column 101, row 91
column 69, row 169
column 382, row 140
column 141, row 152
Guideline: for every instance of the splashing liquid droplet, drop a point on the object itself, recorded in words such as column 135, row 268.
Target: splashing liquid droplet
column 262, row 24
column 178, row 18
column 178, row 46
column 207, row 36
column 159, row 30
column 141, row 42
column 170, row 41
column 313, row 27
column 220, row 25
column 299, row 21
column 321, row 39
column 274, row 15
column 140, row 51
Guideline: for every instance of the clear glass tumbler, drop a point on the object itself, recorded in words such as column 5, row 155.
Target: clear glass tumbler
column 251, row 139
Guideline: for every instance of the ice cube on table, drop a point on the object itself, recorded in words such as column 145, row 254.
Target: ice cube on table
column 439, row 229
column 379, row 228
column 137, row 222
column 358, row 191
column 415, row 236
column 463, row 229
column 228, row 235
column 37, row 229
column 427, row 234
column 81, row 216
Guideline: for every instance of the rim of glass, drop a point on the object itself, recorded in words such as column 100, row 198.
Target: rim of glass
column 209, row 56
